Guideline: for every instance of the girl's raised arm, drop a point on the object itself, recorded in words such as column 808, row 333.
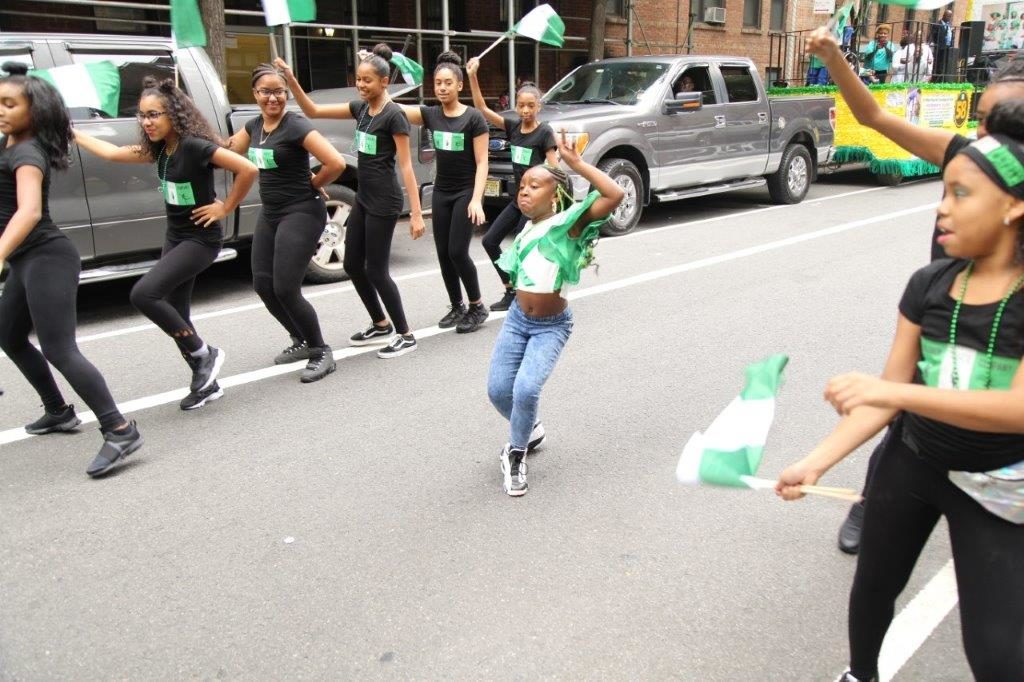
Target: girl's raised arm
column 310, row 108
column 611, row 194
column 111, row 152
column 494, row 118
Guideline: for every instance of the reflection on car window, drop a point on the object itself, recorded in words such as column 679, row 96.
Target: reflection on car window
column 622, row 83
column 133, row 68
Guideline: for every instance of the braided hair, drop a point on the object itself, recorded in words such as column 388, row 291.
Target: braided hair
column 264, row 69
column 50, row 120
column 182, row 112
column 564, row 200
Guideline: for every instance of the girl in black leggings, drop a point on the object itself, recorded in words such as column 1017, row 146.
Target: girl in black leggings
column 955, row 383
column 42, row 286
column 292, row 217
column 531, row 143
column 460, row 142
column 382, row 135
column 175, row 136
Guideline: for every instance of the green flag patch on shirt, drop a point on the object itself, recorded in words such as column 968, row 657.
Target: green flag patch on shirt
column 366, row 143
column 936, row 367
column 263, row 158
column 521, row 155
column 179, row 194
column 449, row 142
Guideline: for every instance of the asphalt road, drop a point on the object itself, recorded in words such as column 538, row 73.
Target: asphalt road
column 356, row 528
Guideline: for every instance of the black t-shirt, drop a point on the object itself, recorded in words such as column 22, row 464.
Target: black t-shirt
column 955, row 146
column 379, row 192
column 283, row 161
column 927, row 302
column 453, row 144
column 186, row 181
column 26, row 153
column 527, row 149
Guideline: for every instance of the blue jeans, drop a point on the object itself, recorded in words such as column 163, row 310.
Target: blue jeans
column 525, row 354
column 817, row 75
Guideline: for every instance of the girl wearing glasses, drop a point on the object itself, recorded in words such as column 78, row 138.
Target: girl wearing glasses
column 176, row 137
column 382, row 135
column 42, row 286
column 292, row 217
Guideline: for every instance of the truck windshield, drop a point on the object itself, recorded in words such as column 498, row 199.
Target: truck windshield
column 599, row 83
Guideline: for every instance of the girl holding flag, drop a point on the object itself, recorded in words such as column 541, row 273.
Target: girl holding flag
column 531, row 143
column 954, row 385
column 175, row 136
column 42, row 285
column 292, row 216
column 382, row 135
column 546, row 258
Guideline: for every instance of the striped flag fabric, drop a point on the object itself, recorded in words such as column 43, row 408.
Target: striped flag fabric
column 187, row 24
column 411, row 71
column 840, row 21
column 280, row 12
column 924, row 5
column 729, row 451
column 542, row 24
column 96, row 85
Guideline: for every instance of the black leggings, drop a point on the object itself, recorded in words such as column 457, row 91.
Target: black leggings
column 509, row 220
column 367, row 255
column 42, row 291
column 908, row 495
column 281, row 249
column 452, row 233
column 164, row 294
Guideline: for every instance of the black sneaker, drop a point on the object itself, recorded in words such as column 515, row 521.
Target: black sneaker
column 847, row 677
column 65, row 420
column 372, row 334
column 320, row 365
column 454, row 315
column 849, row 532
column 294, row 353
column 196, row 399
column 400, row 345
column 116, row 446
column 505, row 302
column 513, row 469
column 206, row 369
column 536, row 438
column 474, row 317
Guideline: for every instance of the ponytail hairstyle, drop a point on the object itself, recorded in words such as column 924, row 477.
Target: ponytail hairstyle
column 380, row 59
column 181, row 111
column 50, row 120
column 528, row 88
column 264, row 69
column 451, row 61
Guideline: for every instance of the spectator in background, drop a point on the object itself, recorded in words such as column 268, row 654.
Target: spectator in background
column 817, row 72
column 913, row 63
column 503, row 102
column 942, row 41
column 878, row 55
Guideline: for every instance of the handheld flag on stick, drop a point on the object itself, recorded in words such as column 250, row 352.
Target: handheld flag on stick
column 287, row 11
column 411, row 71
column 541, row 23
column 96, row 85
column 187, row 24
column 837, row 24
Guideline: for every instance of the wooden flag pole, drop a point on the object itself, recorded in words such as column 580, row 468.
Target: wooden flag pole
column 492, row 46
column 274, row 55
column 845, row 494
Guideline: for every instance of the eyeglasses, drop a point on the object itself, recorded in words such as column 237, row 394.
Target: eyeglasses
column 144, row 116
column 279, row 93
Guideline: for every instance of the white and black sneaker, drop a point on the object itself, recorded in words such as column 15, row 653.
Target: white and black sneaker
column 847, row 677
column 116, row 446
column 372, row 334
column 206, row 369
column 513, row 470
column 196, row 399
column 536, row 438
column 320, row 364
column 298, row 351
column 453, row 317
column 400, row 345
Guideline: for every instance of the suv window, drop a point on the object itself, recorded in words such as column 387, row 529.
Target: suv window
column 700, row 79
column 739, row 83
column 133, row 68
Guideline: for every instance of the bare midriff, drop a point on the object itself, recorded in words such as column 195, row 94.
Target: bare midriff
column 540, row 305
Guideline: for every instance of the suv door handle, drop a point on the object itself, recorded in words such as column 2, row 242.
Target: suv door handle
column 762, row 117
column 719, row 121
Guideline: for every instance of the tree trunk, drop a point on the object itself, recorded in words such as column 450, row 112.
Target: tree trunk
column 212, row 12
column 597, row 21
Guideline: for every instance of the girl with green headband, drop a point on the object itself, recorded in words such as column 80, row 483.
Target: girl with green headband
column 953, row 388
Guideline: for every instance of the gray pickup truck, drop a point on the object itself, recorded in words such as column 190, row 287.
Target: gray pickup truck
column 672, row 127
column 113, row 212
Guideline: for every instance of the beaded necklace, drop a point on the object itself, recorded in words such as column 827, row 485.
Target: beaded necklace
column 164, row 157
column 990, row 351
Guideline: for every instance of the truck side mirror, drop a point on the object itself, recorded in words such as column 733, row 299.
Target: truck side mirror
column 684, row 101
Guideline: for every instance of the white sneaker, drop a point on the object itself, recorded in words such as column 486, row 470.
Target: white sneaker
column 536, row 438
column 399, row 345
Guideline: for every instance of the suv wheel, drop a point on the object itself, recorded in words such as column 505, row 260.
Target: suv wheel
column 627, row 215
column 327, row 266
column 789, row 184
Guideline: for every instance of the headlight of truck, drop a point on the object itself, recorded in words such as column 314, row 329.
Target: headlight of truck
column 576, row 139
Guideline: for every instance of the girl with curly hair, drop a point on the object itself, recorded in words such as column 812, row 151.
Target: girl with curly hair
column 176, row 137
column 42, row 287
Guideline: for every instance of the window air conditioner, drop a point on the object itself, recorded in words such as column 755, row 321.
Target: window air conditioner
column 714, row 15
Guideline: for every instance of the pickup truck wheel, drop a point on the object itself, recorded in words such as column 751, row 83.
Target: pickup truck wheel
column 889, row 179
column 789, row 184
column 627, row 215
column 326, row 266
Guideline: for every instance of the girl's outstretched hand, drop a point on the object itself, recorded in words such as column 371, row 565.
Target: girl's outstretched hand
column 473, row 65
column 822, row 43
column 794, row 476
column 283, row 66
column 848, row 391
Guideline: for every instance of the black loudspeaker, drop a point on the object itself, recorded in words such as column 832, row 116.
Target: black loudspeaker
column 972, row 37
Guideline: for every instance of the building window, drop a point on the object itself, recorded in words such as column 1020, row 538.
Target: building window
column 751, row 13
column 777, row 22
column 704, row 5
column 616, row 8
column 883, row 14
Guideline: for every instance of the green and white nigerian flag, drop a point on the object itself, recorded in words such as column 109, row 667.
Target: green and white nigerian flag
column 410, row 70
column 187, row 24
column 543, row 25
column 287, row 11
column 729, row 452
column 924, row 5
column 840, row 20
column 96, row 85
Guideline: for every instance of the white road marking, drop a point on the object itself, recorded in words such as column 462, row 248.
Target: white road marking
column 319, row 292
